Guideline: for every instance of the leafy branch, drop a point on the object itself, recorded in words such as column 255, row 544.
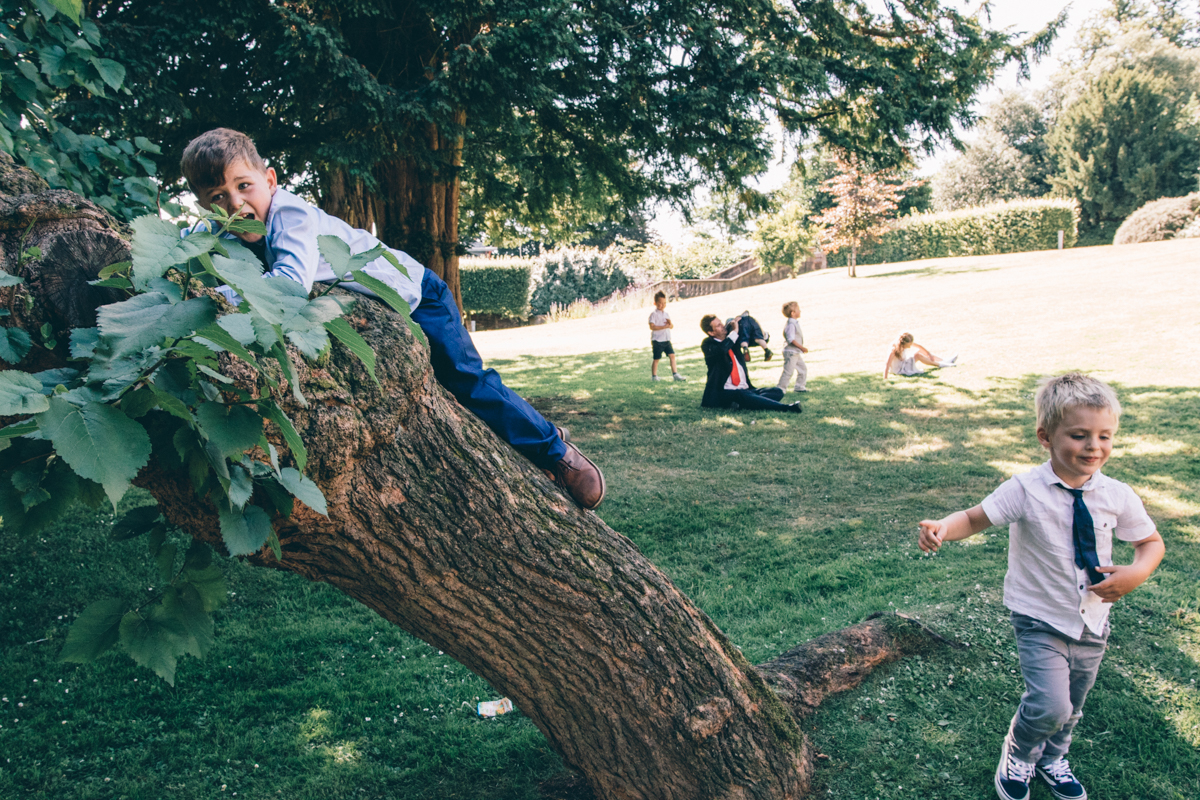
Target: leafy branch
column 147, row 380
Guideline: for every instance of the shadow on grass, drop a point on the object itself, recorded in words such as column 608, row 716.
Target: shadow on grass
column 780, row 527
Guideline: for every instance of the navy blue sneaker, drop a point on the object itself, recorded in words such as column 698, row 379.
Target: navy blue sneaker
column 1012, row 776
column 1063, row 784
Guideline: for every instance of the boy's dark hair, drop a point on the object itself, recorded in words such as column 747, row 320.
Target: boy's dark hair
column 208, row 155
column 660, row 295
column 706, row 322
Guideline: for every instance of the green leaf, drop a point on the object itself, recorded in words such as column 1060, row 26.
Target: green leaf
column 281, row 354
column 20, row 394
column 357, row 345
column 240, row 327
column 390, row 296
column 303, row 490
column 97, row 441
column 293, row 440
column 209, row 582
column 311, row 343
column 274, row 544
column 267, row 296
column 152, row 640
column 164, row 559
column 112, row 283
column 185, row 606
column 146, row 319
column 113, row 269
column 18, row 429
column 172, row 405
column 198, row 557
column 244, row 532
column 14, row 344
column 218, row 335
column 7, row 279
column 232, row 429
column 72, row 8
column 138, row 402
column 84, row 342
column 96, row 630
column 240, row 486
column 157, row 247
column 134, row 523
column 111, row 72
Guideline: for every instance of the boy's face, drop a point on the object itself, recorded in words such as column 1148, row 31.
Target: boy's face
column 794, row 312
column 660, row 303
column 244, row 188
column 1081, row 443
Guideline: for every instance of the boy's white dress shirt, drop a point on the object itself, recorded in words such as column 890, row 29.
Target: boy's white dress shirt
column 293, row 226
column 792, row 333
column 660, row 318
column 1042, row 580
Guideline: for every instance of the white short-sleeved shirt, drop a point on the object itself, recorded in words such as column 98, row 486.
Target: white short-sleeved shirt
column 1042, row 580
column 660, row 318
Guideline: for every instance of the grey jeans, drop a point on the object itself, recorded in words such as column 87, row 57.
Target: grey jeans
column 793, row 362
column 1059, row 672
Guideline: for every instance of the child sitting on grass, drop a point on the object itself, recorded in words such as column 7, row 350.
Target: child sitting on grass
column 1061, row 580
column 223, row 169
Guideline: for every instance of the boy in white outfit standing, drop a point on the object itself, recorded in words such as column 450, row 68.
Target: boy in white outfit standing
column 1061, row 579
column 660, row 337
column 793, row 349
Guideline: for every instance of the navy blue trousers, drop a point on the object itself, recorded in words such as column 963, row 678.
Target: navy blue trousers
column 458, row 366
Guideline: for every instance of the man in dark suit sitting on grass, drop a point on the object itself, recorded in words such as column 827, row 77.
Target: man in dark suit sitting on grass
column 728, row 385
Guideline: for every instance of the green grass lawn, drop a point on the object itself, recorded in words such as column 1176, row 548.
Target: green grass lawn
column 779, row 527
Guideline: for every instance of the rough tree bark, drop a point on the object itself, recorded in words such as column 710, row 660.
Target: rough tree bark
column 450, row 534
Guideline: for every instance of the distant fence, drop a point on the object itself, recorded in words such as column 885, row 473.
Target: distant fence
column 745, row 273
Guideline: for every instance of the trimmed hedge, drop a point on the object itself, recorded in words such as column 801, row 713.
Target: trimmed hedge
column 1159, row 219
column 496, row 285
column 1016, row 226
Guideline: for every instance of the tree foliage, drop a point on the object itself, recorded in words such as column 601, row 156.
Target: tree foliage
column 565, row 110
column 53, row 58
column 148, row 381
column 1122, row 144
column 863, row 202
column 1008, row 160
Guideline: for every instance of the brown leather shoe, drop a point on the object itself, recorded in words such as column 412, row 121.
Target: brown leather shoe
column 579, row 477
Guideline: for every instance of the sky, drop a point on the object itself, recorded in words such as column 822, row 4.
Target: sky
column 1019, row 15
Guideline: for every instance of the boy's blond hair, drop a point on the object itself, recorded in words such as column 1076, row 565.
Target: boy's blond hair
column 1058, row 394
column 206, row 157
column 788, row 306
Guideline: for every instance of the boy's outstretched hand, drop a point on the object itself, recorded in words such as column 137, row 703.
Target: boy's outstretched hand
column 933, row 532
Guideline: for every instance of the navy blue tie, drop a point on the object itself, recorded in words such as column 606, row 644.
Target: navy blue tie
column 1083, row 531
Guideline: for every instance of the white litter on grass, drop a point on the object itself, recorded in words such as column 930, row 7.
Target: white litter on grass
column 734, row 453
column 492, row 708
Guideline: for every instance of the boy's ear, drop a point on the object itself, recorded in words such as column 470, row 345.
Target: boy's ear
column 272, row 181
column 1043, row 437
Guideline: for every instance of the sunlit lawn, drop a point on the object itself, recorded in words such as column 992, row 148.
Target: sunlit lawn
column 781, row 528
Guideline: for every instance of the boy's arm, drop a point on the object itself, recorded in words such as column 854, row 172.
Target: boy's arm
column 958, row 525
column 1124, row 578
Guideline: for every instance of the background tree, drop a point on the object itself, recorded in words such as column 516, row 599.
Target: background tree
column 1008, row 160
column 384, row 111
column 863, row 202
column 1122, row 144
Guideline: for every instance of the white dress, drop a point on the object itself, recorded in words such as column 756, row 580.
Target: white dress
column 907, row 363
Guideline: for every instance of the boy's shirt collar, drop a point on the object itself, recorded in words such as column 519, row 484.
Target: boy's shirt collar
column 1050, row 477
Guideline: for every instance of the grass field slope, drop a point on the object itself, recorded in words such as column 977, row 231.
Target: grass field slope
column 781, row 527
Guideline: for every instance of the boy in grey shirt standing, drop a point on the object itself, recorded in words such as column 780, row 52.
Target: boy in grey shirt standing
column 1061, row 580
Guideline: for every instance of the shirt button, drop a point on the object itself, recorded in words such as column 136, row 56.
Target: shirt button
column 1081, row 587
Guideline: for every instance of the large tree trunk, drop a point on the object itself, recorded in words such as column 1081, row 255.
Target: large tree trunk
column 414, row 206
column 450, row 534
